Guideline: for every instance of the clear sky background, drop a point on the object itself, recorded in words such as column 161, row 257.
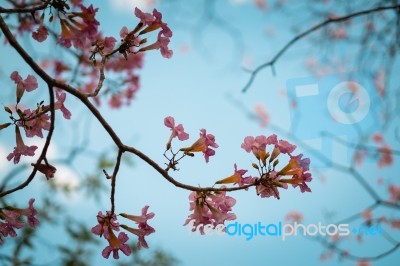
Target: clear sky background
column 197, row 86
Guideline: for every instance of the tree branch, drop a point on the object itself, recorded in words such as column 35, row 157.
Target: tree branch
column 113, row 135
column 272, row 62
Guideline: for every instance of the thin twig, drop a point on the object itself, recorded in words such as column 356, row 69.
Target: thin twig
column 272, row 62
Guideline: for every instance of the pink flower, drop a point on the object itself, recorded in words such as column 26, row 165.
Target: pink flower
column 367, row 215
column 262, row 115
column 30, row 214
column 12, row 218
column 106, row 224
column 364, row 263
column 145, row 18
column 203, row 144
column 123, row 32
column 177, row 131
column 294, row 216
column 286, row 147
column 380, row 78
column 142, row 220
column 33, row 127
column 237, row 178
column 109, row 44
column 115, row 101
column 40, row 34
column 210, row 208
column 163, row 44
column 269, row 185
column 29, row 84
column 116, row 244
column 258, row 143
column 338, row 33
column 60, row 95
column 79, row 28
column 21, row 148
column 386, row 156
column 154, row 22
column 394, row 191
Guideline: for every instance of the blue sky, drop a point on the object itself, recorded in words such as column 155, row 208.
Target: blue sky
column 195, row 88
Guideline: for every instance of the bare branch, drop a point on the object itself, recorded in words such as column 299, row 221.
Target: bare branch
column 272, row 62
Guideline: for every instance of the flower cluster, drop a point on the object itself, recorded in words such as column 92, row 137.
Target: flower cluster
column 11, row 219
column 204, row 144
column 107, row 224
column 33, row 121
column 210, row 208
column 132, row 42
column 271, row 178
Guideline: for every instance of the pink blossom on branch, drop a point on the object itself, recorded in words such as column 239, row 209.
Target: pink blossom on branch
column 29, row 84
column 11, row 219
column 116, row 244
column 144, row 228
column 209, row 208
column 203, row 145
column 79, row 28
column 177, row 131
column 59, row 105
column 154, row 22
column 20, row 149
column 34, row 126
column 237, row 178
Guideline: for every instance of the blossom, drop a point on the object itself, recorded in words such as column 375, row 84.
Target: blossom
column 394, row 191
column 144, row 228
column 109, row 44
column 294, row 216
column 106, row 224
column 40, row 34
column 12, row 219
column 203, row 145
column 262, row 115
column 142, row 220
column 30, row 213
column 367, row 215
column 364, row 263
column 21, row 149
column 79, row 28
column 237, row 178
column 177, row 131
column 33, row 124
column 210, row 208
column 29, row 84
column 153, row 22
column 386, row 156
column 116, row 244
column 269, row 184
column 60, row 104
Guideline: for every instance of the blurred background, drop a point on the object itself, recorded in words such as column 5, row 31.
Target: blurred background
column 334, row 93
